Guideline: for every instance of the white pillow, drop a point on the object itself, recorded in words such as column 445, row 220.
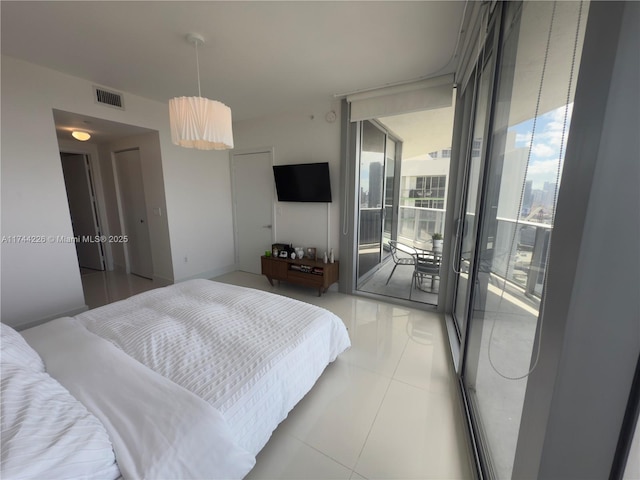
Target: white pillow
column 14, row 350
column 47, row 433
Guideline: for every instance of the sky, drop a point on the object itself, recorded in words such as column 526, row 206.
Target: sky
column 547, row 144
column 545, row 151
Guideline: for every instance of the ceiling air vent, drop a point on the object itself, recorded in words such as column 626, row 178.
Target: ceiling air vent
column 105, row 97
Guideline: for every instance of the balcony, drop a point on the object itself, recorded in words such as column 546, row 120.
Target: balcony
column 520, row 251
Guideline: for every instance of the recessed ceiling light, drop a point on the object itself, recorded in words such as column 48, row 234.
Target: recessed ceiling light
column 82, row 136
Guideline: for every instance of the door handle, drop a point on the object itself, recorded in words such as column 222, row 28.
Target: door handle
column 266, row 226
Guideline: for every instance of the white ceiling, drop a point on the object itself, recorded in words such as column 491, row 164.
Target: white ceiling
column 422, row 132
column 259, row 58
column 101, row 130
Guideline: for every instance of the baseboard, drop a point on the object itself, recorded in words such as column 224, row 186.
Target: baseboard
column 210, row 273
column 162, row 280
column 119, row 268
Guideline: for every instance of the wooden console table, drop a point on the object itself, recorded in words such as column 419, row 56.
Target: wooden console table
column 310, row 273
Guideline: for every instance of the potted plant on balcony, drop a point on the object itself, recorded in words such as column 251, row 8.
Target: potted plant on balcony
column 437, row 239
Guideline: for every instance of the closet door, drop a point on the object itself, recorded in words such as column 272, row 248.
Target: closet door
column 133, row 209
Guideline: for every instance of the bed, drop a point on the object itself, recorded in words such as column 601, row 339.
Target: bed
column 186, row 381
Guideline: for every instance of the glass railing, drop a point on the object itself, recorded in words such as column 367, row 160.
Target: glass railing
column 520, row 254
column 370, row 225
column 520, row 259
column 417, row 224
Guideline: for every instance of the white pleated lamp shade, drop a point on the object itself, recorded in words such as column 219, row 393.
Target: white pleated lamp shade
column 198, row 122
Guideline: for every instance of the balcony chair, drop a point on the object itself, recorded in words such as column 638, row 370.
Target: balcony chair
column 427, row 264
column 393, row 246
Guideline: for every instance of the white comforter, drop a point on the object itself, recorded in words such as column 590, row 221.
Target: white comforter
column 250, row 354
column 157, row 428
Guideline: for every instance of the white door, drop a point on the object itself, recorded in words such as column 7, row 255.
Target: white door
column 82, row 207
column 133, row 209
column 253, row 196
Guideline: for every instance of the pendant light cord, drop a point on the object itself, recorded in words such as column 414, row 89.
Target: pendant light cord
column 517, row 223
column 198, row 66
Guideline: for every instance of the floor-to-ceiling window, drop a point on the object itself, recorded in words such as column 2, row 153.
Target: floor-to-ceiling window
column 478, row 95
column 503, row 260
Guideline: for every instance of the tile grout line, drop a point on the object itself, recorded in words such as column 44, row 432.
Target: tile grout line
column 323, row 453
column 352, row 469
column 366, row 439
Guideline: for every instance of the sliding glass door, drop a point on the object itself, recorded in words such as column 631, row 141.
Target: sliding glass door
column 390, row 218
column 371, row 197
column 478, row 95
column 378, row 195
column 507, row 225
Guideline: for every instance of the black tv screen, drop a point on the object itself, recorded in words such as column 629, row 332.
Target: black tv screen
column 305, row 182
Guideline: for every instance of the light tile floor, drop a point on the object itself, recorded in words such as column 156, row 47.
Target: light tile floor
column 388, row 408
column 101, row 288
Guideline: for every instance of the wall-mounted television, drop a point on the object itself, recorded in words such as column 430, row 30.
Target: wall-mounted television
column 304, row 182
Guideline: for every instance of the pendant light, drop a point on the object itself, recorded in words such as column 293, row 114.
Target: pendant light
column 198, row 122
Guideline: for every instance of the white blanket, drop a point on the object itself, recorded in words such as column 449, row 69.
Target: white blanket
column 251, row 354
column 158, row 429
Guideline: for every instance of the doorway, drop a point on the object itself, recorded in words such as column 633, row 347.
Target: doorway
column 412, row 151
column 78, row 180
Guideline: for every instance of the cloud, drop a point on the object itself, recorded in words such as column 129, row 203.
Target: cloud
column 546, row 144
column 544, row 167
column 553, row 124
column 543, row 171
column 551, row 134
column 543, row 150
column 523, row 139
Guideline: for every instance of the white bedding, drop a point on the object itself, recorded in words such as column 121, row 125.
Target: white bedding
column 45, row 431
column 158, row 429
column 188, row 381
column 250, row 354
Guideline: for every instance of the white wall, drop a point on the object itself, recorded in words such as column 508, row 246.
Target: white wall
column 200, row 214
column 301, row 137
column 40, row 281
